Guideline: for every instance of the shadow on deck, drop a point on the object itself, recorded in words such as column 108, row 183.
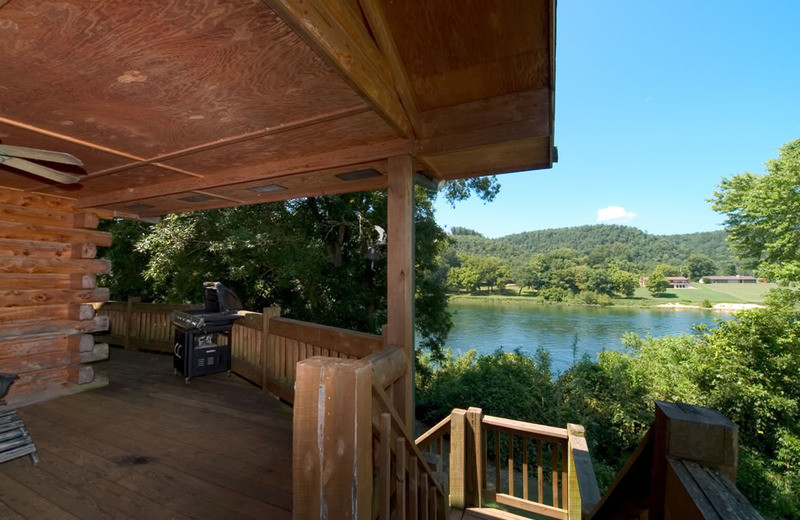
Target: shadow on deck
column 148, row 446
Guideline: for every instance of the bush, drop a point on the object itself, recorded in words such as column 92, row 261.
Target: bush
column 504, row 384
column 593, row 298
column 554, row 294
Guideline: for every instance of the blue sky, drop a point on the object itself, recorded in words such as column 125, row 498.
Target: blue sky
column 656, row 102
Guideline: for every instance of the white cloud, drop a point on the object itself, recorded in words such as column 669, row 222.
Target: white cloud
column 614, row 214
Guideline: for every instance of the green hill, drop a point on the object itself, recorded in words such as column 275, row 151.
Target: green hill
column 623, row 242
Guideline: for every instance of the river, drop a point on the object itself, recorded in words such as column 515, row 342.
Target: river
column 486, row 326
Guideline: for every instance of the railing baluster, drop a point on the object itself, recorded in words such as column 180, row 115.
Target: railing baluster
column 564, row 477
column 413, row 499
column 424, row 498
column 484, row 458
column 525, row 468
column 511, row 464
column 540, row 472
column 400, row 477
column 496, row 461
column 385, row 467
column 554, row 470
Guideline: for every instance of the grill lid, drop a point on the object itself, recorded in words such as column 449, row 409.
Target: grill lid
column 219, row 298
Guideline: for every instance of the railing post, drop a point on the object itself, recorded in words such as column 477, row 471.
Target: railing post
column 583, row 492
column 332, row 439
column 473, row 441
column 267, row 360
column 458, row 459
column 129, row 321
column 690, row 433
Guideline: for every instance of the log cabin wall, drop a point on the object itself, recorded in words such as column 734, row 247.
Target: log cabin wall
column 47, row 285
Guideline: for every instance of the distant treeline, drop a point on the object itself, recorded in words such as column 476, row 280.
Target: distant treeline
column 587, row 252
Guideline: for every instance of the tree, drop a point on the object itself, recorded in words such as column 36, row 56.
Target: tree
column 533, row 274
column 657, row 284
column 763, row 215
column 698, row 266
column 601, row 282
column 625, row 282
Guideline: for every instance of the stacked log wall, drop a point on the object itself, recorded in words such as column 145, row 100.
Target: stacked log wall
column 48, row 273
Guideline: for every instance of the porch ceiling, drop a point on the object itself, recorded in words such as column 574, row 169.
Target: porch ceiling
column 179, row 105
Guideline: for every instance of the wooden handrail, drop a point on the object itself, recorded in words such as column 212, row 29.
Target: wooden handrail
column 549, row 433
column 433, row 434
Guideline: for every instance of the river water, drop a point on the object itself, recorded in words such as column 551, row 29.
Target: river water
column 486, row 326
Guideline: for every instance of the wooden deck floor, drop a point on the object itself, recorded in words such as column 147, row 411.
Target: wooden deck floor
column 150, row 447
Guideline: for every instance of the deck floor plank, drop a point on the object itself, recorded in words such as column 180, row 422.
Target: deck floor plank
column 148, row 446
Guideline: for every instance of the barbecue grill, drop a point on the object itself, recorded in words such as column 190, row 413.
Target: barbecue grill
column 203, row 336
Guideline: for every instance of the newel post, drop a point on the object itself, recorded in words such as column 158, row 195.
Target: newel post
column 267, row 359
column 466, row 458
column 584, row 493
column 332, row 439
column 688, row 433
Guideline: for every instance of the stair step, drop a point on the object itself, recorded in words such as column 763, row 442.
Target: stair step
column 487, row 513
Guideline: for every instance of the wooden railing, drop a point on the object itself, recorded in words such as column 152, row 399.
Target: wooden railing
column 353, row 455
column 265, row 348
column 684, row 468
column 535, row 468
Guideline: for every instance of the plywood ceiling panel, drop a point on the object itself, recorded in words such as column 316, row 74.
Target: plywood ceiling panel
column 457, row 52
column 150, row 77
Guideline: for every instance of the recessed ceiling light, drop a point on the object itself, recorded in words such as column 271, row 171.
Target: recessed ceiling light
column 358, row 175
column 196, row 198
column 269, row 188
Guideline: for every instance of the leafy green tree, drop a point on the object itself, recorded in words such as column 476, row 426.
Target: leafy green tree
column 657, row 284
column 125, row 259
column 666, row 270
column 763, row 215
column 698, row 266
column 625, row 282
column 601, row 281
column 533, row 274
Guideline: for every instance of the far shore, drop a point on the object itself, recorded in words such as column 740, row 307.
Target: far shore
column 717, row 298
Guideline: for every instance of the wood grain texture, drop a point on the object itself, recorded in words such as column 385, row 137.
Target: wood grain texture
column 117, row 453
column 487, row 48
column 27, row 265
column 24, row 231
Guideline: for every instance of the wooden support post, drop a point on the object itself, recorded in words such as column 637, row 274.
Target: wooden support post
column 474, row 466
column 267, row 357
column 332, row 441
column 458, row 459
column 583, row 492
column 689, row 433
column 400, row 274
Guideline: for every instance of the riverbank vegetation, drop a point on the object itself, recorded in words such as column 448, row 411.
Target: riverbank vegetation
column 592, row 264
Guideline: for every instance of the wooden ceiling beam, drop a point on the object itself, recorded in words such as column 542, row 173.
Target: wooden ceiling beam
column 376, row 17
column 88, row 144
column 291, row 166
column 264, row 132
column 340, row 38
